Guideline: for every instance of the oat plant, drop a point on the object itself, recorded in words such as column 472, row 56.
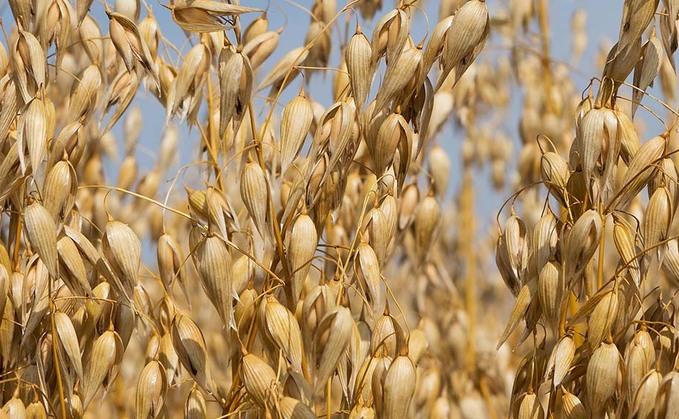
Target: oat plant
column 301, row 263
column 588, row 244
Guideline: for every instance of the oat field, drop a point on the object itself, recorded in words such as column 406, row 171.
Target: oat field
column 309, row 235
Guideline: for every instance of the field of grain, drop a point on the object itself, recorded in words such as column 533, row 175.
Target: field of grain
column 309, row 235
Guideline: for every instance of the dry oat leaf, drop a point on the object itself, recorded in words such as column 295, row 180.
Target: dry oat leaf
column 629, row 138
column 9, row 105
column 637, row 365
column 521, row 305
column 427, row 223
column 386, row 337
column 14, row 407
column 406, row 67
column 530, row 407
column 399, row 387
column 168, row 356
column 235, row 82
column 390, row 36
column 73, row 270
column 69, row 141
column 636, row 15
column 619, row 64
column 122, row 250
column 256, row 28
column 670, row 261
column 195, row 407
column 259, row 48
column 572, row 407
column 83, row 8
column 331, row 338
column 561, row 359
column 290, row 408
column 212, row 7
column 436, row 41
column 36, row 410
column 603, row 369
column 581, row 244
column 293, row 58
column 60, row 189
column 550, row 292
column 545, row 240
column 643, row 403
column 130, row 45
column 668, row 29
column 100, row 368
column 193, row 19
column 32, row 132
column 85, row 94
column 517, row 242
column 189, row 344
column 338, row 124
column 469, row 30
column 254, row 190
column 318, row 41
column 668, row 395
column 555, row 172
column 295, row 124
column 92, row 40
column 7, row 326
column 152, row 387
column 358, row 58
column 368, row 271
column 29, row 63
column 647, row 69
column 189, row 81
column 21, row 11
column 657, row 219
column 280, row 328
column 260, row 380
column 171, row 259
column 300, row 252
column 84, row 245
column 68, row 340
column 641, row 169
column 42, row 235
column 213, row 262
column 4, row 289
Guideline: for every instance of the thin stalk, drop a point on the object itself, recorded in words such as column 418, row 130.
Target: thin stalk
column 467, row 227
column 545, row 41
column 17, row 241
column 329, row 399
column 602, row 242
column 57, row 367
column 272, row 211
column 212, row 135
